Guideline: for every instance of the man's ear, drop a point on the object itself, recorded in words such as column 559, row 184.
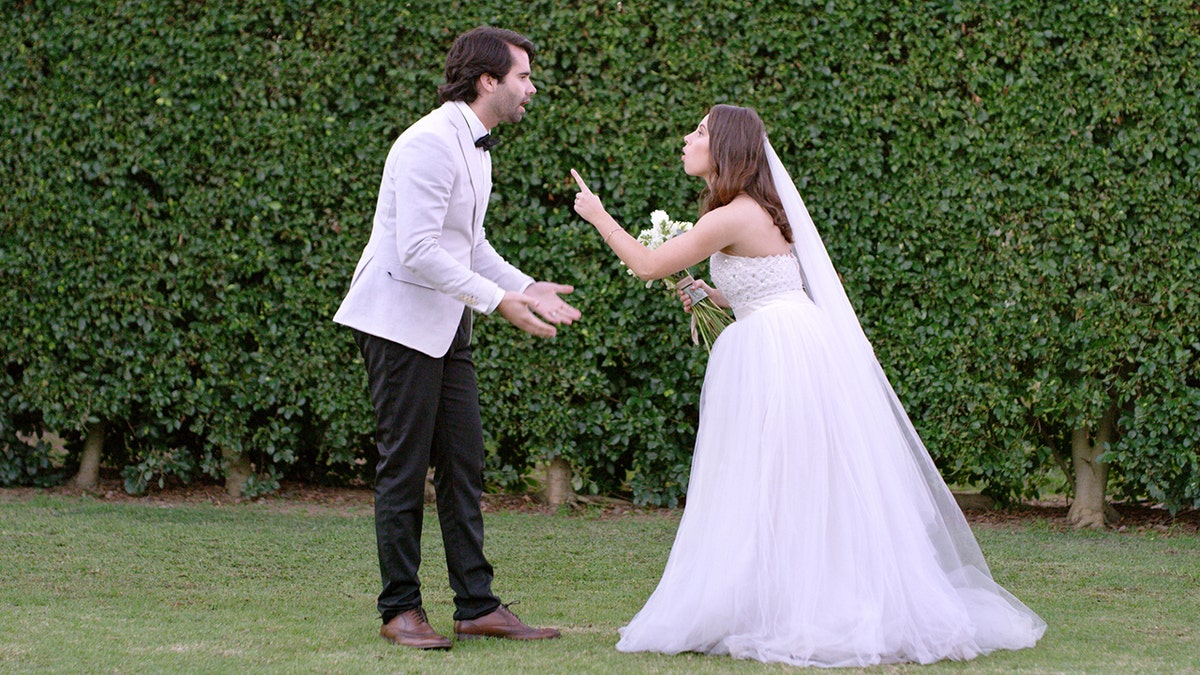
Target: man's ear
column 485, row 84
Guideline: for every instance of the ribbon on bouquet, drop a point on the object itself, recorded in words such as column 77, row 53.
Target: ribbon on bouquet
column 696, row 294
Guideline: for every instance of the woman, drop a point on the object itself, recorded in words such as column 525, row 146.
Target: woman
column 817, row 530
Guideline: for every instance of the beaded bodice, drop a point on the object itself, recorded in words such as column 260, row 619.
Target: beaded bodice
column 745, row 280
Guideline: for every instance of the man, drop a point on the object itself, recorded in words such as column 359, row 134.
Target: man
column 426, row 267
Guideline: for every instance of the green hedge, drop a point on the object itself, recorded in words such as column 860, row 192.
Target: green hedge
column 1009, row 189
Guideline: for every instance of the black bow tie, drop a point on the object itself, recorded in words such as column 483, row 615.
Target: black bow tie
column 486, row 142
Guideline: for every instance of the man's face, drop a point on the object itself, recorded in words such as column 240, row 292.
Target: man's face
column 514, row 91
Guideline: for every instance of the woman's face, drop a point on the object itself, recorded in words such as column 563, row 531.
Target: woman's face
column 696, row 159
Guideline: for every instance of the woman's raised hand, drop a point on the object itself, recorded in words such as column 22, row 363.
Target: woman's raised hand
column 587, row 204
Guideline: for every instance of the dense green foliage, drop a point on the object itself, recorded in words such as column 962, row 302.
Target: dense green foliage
column 1010, row 190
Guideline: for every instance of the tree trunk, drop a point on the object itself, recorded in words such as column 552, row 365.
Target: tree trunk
column 1090, row 508
column 558, row 482
column 238, row 471
column 89, row 463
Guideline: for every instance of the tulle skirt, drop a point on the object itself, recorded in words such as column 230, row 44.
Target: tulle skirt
column 810, row 536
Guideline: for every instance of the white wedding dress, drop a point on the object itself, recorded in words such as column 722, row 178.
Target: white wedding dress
column 813, row 532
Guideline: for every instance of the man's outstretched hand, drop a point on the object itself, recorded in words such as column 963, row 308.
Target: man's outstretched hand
column 540, row 297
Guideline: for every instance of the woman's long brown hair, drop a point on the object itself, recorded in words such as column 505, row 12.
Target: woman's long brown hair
column 735, row 143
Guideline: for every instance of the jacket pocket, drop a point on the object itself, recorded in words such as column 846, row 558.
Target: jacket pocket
column 398, row 272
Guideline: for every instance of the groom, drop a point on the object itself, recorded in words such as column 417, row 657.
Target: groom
column 427, row 266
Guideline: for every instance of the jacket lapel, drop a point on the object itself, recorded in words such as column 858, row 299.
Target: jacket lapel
column 476, row 165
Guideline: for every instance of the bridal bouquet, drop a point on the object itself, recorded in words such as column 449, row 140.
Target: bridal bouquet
column 708, row 320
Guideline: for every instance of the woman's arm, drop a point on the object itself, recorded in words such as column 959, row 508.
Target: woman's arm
column 710, row 234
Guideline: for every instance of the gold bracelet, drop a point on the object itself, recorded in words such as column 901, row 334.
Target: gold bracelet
column 611, row 233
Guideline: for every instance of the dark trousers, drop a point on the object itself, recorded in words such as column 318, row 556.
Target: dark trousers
column 427, row 414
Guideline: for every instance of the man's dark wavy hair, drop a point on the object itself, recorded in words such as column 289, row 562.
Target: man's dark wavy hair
column 476, row 52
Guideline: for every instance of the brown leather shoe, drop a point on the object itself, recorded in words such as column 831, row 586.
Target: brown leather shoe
column 501, row 623
column 412, row 629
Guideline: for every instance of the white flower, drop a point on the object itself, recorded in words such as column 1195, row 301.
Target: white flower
column 678, row 228
column 661, row 229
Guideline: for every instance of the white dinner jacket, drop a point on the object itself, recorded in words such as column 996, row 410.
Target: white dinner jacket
column 428, row 255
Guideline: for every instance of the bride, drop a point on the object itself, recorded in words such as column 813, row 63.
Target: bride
column 817, row 529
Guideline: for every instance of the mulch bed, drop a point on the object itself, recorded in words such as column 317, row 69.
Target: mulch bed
column 356, row 500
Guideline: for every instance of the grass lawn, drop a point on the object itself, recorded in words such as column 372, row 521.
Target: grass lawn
column 88, row 585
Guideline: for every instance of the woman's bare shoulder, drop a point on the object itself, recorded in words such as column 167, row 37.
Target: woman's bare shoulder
column 741, row 210
column 756, row 233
